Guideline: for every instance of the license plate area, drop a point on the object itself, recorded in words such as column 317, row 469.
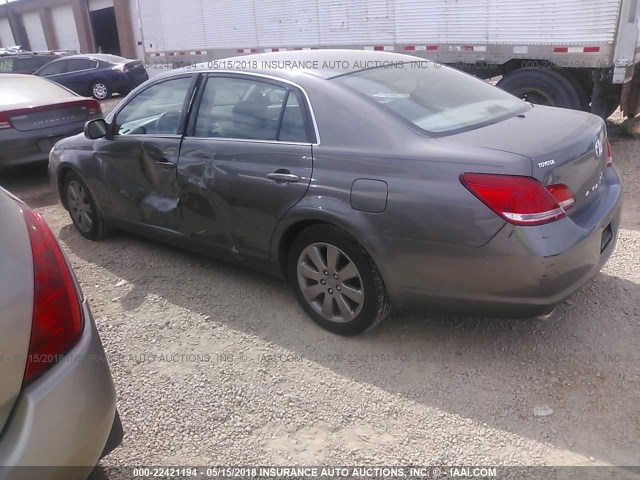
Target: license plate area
column 607, row 235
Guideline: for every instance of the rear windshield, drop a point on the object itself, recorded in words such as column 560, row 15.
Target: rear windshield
column 435, row 98
column 27, row 89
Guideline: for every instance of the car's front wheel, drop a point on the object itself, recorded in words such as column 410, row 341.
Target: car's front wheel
column 100, row 90
column 82, row 209
column 336, row 281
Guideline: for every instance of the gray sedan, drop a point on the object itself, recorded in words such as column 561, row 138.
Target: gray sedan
column 34, row 114
column 365, row 178
column 57, row 400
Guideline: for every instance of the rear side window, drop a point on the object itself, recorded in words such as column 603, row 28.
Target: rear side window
column 293, row 129
column 157, row 110
column 435, row 98
column 77, row 64
column 250, row 109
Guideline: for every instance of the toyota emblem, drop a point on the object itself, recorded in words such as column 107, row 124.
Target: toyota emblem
column 598, row 147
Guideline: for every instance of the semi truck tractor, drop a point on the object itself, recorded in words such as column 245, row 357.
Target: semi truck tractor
column 579, row 54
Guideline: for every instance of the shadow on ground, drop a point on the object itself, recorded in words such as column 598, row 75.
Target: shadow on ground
column 584, row 361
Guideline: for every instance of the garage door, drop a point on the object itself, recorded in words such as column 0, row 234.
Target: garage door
column 35, row 33
column 6, row 36
column 64, row 23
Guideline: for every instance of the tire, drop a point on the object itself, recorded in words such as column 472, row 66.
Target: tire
column 82, row 209
column 100, row 90
column 585, row 99
column 351, row 313
column 542, row 87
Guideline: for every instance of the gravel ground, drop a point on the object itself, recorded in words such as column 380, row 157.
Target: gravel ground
column 241, row 375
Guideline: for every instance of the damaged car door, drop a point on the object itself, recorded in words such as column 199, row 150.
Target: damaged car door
column 139, row 158
column 246, row 159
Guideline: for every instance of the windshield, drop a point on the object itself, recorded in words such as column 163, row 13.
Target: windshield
column 435, row 98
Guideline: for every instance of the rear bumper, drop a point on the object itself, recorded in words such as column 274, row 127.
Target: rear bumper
column 23, row 147
column 61, row 423
column 521, row 272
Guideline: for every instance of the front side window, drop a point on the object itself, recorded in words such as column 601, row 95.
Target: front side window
column 156, row 110
column 249, row 109
column 435, row 98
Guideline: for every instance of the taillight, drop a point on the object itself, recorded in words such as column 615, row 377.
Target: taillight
column 57, row 316
column 563, row 195
column 608, row 152
column 4, row 121
column 93, row 106
column 519, row 200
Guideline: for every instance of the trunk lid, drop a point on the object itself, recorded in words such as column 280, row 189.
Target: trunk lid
column 16, row 302
column 564, row 147
column 46, row 116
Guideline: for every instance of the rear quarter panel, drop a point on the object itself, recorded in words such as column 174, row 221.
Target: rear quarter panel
column 429, row 214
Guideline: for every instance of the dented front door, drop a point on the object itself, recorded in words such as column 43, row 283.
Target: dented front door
column 139, row 159
column 140, row 173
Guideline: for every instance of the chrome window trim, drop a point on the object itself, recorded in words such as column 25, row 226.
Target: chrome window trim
column 251, row 140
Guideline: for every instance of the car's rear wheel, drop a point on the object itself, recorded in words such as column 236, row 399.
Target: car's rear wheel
column 100, row 90
column 82, row 209
column 542, row 87
column 336, row 281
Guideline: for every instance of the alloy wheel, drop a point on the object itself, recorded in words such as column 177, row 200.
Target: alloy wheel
column 330, row 282
column 79, row 206
column 100, row 91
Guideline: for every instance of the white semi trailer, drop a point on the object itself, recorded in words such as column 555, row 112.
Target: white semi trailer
column 570, row 53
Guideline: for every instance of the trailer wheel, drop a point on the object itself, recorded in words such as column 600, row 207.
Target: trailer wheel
column 581, row 90
column 542, row 87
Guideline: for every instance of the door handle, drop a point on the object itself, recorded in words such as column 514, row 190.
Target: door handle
column 284, row 177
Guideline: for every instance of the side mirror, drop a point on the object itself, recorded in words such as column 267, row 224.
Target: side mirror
column 95, row 129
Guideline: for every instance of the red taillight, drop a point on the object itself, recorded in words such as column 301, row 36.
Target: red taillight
column 93, row 106
column 563, row 195
column 57, row 316
column 519, row 200
column 4, row 121
column 608, row 153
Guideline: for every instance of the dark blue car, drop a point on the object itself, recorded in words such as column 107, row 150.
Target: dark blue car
column 96, row 75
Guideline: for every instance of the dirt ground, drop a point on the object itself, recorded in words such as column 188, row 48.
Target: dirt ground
column 247, row 378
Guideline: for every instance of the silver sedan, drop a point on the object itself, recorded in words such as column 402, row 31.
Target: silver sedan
column 57, row 399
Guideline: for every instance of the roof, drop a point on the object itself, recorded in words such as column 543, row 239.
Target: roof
column 326, row 63
column 97, row 56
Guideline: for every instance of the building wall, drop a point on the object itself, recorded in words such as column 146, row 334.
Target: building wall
column 22, row 16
